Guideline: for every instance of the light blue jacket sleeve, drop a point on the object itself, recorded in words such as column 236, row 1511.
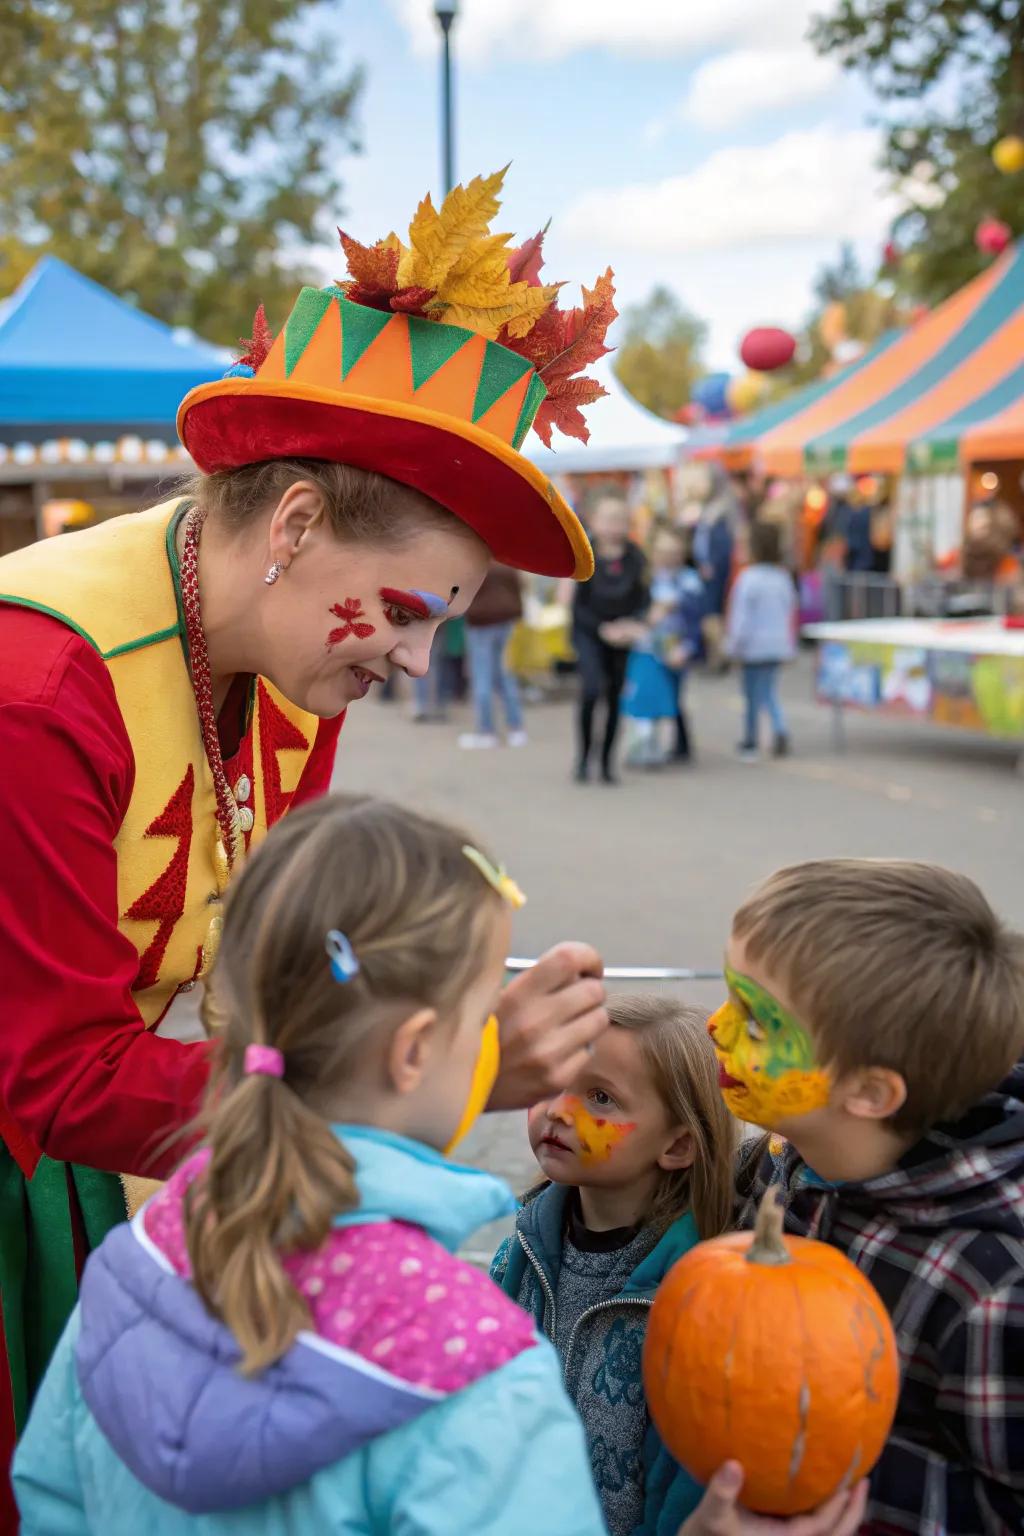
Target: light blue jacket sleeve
column 503, row 1457
column 44, row 1470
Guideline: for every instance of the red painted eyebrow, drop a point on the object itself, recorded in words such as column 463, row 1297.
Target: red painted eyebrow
column 408, row 600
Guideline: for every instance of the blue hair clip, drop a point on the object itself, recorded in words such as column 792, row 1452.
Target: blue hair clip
column 344, row 965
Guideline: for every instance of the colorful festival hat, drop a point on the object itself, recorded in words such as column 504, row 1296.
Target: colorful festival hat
column 429, row 363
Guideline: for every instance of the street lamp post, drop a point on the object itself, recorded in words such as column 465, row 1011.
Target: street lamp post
column 446, row 12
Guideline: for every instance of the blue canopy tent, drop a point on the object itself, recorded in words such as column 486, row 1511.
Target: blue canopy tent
column 78, row 362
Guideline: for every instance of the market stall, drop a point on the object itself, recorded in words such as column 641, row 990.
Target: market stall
column 967, row 673
column 89, row 388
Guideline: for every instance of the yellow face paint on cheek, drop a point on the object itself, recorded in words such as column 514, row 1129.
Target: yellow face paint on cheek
column 597, row 1136
column 767, row 1070
column 485, row 1075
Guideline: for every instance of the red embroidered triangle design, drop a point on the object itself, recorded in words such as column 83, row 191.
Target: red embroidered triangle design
column 277, row 734
column 164, row 901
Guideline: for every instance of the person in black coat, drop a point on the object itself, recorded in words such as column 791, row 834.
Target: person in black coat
column 606, row 610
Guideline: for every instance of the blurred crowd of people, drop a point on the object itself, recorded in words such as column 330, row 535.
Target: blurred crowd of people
column 722, row 579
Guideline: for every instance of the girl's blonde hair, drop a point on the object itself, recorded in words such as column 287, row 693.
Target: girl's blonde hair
column 677, row 1050
column 416, row 913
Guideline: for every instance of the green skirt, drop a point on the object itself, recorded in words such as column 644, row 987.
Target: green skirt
column 48, row 1225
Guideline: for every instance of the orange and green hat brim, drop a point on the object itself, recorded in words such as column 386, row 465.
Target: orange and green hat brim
column 434, row 406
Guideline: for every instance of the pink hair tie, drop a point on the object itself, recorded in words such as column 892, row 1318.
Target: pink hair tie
column 263, row 1060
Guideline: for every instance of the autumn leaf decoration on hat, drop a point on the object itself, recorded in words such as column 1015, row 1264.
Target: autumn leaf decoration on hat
column 429, row 362
column 454, row 270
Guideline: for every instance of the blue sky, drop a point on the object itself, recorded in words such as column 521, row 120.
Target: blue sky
column 696, row 143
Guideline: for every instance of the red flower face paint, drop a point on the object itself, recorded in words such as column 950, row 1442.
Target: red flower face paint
column 350, row 612
column 402, row 606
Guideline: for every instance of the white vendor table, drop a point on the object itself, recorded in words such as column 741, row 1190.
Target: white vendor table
column 960, row 672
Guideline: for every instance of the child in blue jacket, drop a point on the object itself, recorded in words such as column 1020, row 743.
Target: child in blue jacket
column 640, row 1154
column 283, row 1339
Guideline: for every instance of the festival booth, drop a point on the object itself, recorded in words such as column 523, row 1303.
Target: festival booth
column 938, row 409
column 89, row 388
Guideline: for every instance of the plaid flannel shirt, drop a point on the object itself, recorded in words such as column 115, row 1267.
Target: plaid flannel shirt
column 942, row 1240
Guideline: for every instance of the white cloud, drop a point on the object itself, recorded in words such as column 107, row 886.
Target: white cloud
column 554, row 29
column 733, row 87
column 818, row 183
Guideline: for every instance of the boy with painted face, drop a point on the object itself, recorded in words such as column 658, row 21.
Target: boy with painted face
column 875, row 1023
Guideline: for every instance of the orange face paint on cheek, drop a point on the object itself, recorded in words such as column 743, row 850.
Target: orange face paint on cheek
column 597, row 1137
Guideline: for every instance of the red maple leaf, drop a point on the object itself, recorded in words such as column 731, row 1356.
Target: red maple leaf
column 585, row 330
column 259, row 343
column 350, row 611
column 561, row 408
column 524, row 264
column 412, row 301
column 373, row 278
column 560, row 344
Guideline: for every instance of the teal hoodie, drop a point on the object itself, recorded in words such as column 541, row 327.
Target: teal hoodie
column 526, row 1267
column 144, row 1423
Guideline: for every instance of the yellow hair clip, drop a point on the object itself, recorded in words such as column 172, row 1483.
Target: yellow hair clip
column 498, row 878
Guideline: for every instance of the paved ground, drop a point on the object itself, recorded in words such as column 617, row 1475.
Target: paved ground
column 651, row 871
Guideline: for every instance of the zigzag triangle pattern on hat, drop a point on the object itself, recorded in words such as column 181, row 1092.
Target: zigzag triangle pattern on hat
column 347, row 348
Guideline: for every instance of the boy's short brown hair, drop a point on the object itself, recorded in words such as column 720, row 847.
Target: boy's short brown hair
column 896, row 964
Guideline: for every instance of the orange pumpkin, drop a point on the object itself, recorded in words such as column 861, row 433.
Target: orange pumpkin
column 776, row 1352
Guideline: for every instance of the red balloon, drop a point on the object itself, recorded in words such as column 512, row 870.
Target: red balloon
column 767, row 348
column 992, row 236
column 891, row 254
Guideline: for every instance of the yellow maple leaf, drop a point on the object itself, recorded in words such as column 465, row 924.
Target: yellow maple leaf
column 440, row 238
column 519, row 308
column 482, row 283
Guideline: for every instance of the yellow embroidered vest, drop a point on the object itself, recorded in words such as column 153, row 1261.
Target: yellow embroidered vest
column 116, row 584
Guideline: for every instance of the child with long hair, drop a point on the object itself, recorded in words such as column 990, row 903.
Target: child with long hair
column 639, row 1161
column 283, row 1329
column 282, row 1340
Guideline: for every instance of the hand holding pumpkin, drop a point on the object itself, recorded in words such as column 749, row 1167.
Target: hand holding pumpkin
column 718, row 1513
column 777, row 1351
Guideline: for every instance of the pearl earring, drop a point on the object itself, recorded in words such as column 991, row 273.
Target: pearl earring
column 273, row 573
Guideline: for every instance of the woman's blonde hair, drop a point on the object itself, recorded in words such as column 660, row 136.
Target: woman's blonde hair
column 677, row 1050
column 362, row 507
column 416, row 912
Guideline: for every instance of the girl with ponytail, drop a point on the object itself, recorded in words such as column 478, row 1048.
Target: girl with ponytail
column 282, row 1339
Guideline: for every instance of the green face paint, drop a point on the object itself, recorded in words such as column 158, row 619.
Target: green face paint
column 767, row 1068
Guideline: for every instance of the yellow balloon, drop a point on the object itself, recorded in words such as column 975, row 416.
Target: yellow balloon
column 1008, row 154
column 746, row 391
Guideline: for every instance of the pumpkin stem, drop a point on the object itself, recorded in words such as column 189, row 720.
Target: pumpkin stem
column 768, row 1247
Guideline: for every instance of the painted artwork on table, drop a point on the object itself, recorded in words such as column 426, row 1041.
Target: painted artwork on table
column 958, row 688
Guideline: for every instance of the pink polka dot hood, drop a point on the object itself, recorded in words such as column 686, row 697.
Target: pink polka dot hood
column 400, row 1327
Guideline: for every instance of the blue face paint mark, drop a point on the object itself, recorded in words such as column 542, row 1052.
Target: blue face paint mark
column 435, row 606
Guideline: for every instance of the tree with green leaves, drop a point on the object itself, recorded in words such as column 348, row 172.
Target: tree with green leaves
column 953, row 76
column 180, row 152
column 658, row 358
